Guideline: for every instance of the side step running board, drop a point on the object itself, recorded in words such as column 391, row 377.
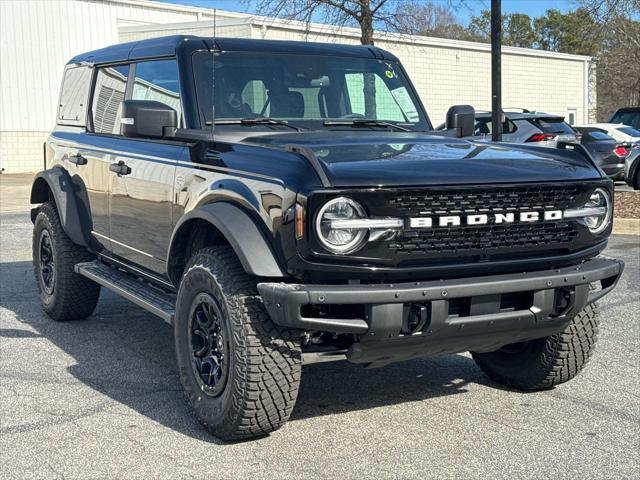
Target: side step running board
column 154, row 300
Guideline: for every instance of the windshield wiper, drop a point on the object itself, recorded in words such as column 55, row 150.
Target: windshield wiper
column 365, row 123
column 258, row 121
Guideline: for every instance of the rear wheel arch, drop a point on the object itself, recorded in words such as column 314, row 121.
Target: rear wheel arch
column 41, row 191
column 221, row 223
column 55, row 186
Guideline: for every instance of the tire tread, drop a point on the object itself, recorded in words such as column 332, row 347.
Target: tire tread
column 560, row 359
column 76, row 296
column 267, row 366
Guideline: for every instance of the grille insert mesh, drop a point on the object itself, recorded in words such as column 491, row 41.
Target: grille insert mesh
column 490, row 238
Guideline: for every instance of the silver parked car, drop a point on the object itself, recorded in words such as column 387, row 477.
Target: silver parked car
column 544, row 129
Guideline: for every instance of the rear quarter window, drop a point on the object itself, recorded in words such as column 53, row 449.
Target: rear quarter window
column 74, row 95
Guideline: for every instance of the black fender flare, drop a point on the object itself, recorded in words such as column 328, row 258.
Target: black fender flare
column 242, row 233
column 58, row 181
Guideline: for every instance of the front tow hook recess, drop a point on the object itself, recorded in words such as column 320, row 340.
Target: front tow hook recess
column 417, row 319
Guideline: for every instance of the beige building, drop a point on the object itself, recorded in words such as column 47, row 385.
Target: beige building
column 38, row 38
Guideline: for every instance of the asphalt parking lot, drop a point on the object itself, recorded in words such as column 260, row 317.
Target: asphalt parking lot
column 100, row 398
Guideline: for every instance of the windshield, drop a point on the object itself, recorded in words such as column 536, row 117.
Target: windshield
column 305, row 90
column 627, row 118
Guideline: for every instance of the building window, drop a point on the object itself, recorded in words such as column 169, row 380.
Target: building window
column 158, row 80
column 111, row 84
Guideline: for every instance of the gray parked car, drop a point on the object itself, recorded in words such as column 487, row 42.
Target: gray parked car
column 608, row 153
column 632, row 168
column 526, row 127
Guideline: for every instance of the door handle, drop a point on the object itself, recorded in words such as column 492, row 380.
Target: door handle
column 77, row 159
column 120, row 168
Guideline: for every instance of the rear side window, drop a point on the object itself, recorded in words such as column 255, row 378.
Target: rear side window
column 552, row 125
column 158, row 80
column 72, row 108
column 111, row 85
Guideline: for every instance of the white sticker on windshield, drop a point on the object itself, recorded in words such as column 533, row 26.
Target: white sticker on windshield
column 403, row 99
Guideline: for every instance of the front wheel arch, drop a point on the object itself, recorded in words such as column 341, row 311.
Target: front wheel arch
column 223, row 224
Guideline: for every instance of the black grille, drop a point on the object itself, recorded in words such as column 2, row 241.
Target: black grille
column 484, row 239
column 416, row 202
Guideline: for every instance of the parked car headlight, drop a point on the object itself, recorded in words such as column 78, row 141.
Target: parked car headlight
column 600, row 202
column 340, row 240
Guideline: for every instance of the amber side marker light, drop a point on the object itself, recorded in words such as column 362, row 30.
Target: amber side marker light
column 299, row 221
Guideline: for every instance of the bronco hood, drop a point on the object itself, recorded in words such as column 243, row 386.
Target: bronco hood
column 366, row 158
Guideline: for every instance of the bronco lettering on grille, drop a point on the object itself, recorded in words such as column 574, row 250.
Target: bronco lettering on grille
column 484, row 219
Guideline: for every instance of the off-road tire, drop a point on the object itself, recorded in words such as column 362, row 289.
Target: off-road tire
column 264, row 360
column 73, row 296
column 546, row 362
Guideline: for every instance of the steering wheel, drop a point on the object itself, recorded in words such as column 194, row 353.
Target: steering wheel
column 352, row 116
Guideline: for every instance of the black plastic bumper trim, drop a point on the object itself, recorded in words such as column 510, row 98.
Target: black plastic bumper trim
column 384, row 302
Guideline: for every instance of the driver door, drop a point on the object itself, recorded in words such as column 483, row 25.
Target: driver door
column 141, row 199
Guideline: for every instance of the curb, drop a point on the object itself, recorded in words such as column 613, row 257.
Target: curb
column 626, row 226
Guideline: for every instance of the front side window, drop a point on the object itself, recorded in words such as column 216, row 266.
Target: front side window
column 108, row 94
column 307, row 90
column 158, row 80
column 72, row 108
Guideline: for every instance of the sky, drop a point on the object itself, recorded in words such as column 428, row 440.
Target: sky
column 533, row 8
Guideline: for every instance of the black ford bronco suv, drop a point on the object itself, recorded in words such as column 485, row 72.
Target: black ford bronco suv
column 281, row 203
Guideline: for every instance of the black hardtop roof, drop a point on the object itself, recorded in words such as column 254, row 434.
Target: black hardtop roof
column 166, row 46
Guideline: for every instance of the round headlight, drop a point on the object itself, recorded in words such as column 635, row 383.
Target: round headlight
column 341, row 240
column 599, row 199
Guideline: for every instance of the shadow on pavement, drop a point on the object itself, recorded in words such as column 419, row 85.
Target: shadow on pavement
column 127, row 354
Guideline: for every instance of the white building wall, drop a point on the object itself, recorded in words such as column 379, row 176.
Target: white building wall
column 233, row 28
column 37, row 38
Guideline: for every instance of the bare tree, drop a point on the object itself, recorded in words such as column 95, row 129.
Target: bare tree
column 364, row 14
column 618, row 56
column 429, row 19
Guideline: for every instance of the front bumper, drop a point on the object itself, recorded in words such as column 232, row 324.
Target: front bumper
column 479, row 313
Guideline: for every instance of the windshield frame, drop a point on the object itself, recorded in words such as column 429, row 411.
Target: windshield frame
column 306, row 124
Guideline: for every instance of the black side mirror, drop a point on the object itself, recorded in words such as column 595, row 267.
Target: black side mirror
column 463, row 119
column 146, row 118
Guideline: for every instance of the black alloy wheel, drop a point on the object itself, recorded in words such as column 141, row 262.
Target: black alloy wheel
column 47, row 263
column 209, row 345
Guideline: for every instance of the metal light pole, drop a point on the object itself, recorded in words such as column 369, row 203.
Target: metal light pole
column 496, row 70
